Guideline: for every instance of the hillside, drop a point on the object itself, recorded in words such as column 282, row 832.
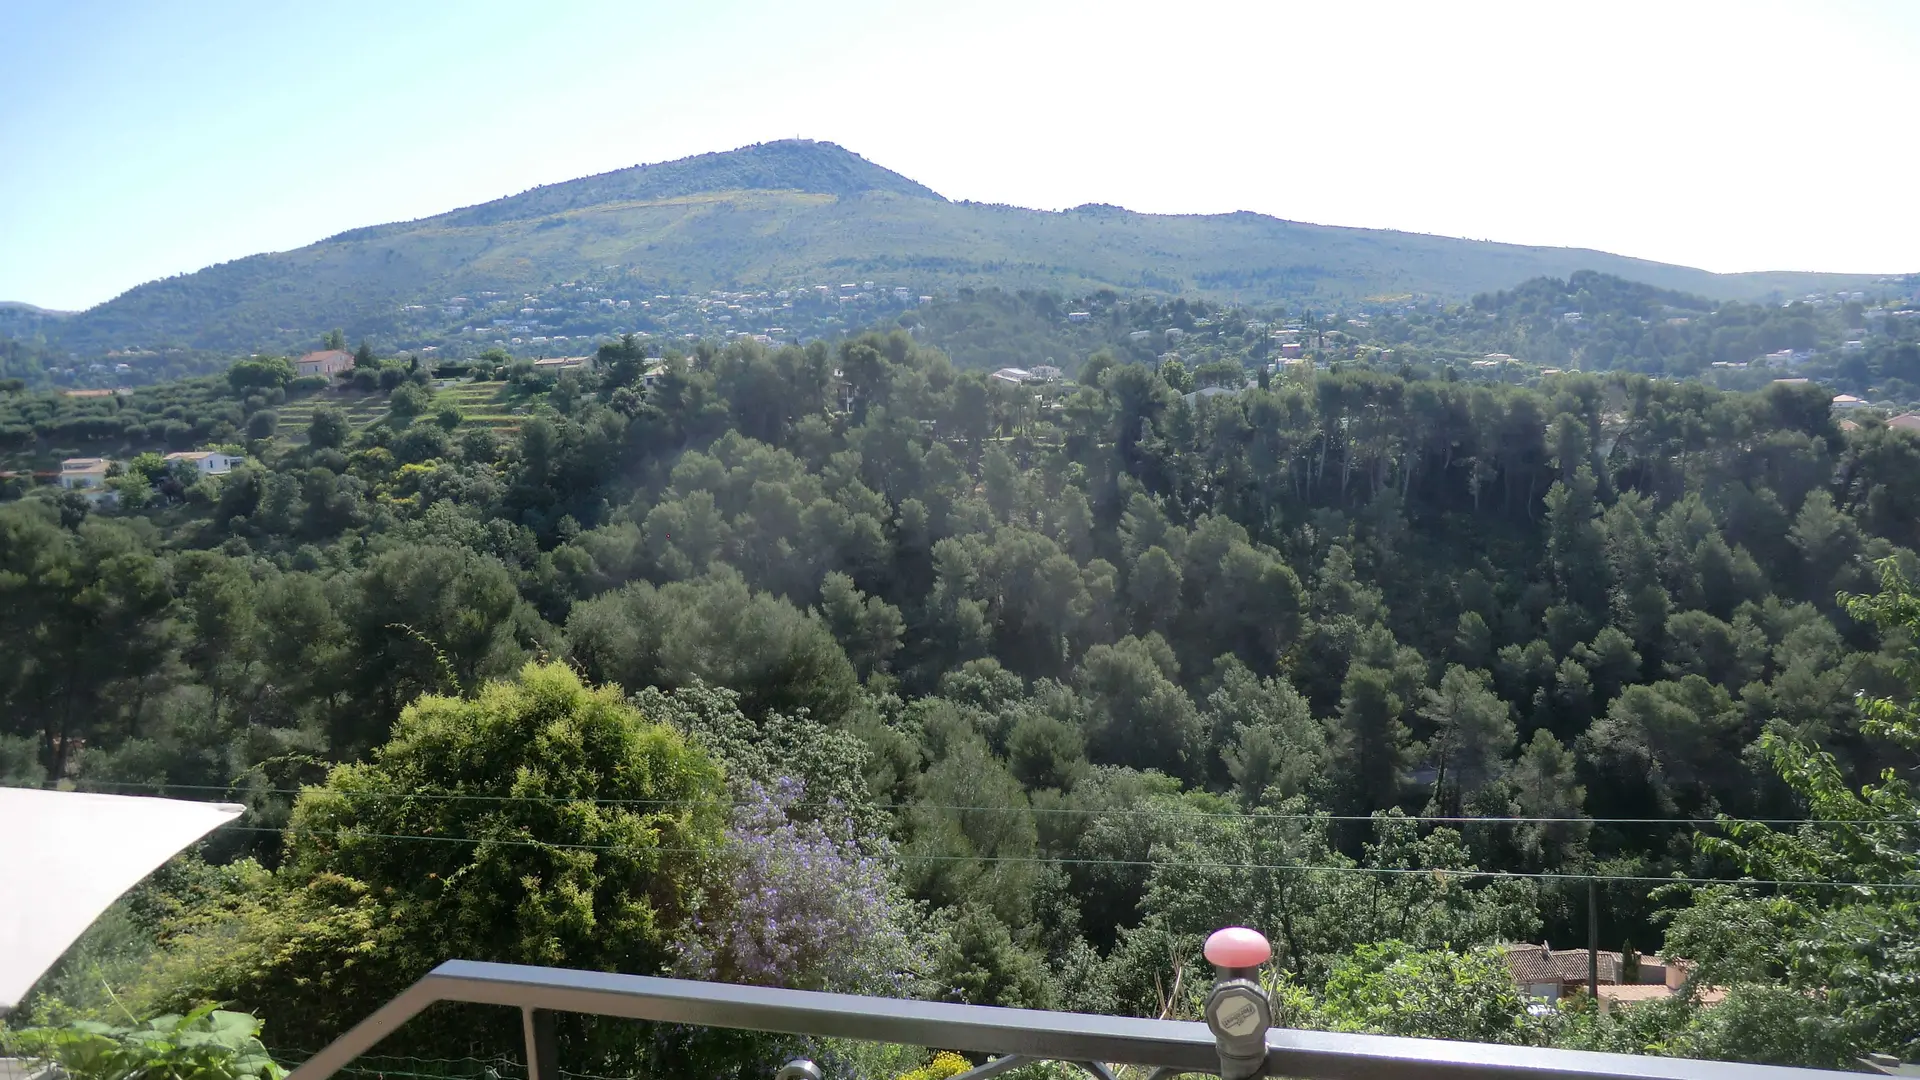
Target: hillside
column 800, row 213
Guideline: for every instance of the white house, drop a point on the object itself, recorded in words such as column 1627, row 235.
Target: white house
column 1012, row 375
column 83, row 472
column 563, row 363
column 1847, row 402
column 206, row 462
column 88, row 476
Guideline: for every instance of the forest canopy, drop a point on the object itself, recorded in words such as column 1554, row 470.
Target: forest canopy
column 1060, row 676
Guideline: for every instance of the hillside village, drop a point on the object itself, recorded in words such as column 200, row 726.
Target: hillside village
column 507, row 354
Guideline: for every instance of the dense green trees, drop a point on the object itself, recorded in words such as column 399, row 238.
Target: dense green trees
column 1085, row 671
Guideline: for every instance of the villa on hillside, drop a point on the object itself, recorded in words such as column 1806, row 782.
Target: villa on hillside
column 324, row 362
column 88, row 476
column 207, row 462
column 564, row 363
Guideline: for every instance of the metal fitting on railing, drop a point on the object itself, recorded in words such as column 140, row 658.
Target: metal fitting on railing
column 1238, row 1012
column 798, row 1069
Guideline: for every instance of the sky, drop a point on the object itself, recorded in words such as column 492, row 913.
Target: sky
column 142, row 140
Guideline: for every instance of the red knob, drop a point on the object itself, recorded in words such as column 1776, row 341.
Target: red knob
column 1238, row 947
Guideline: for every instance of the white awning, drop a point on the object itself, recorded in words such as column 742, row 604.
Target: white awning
column 66, row 856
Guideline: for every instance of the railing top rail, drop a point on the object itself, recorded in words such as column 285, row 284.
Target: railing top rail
column 1168, row 1044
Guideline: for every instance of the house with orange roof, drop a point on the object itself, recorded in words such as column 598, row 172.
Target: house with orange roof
column 1548, row 974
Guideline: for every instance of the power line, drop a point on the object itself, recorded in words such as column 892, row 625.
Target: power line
column 1193, row 864
column 1153, row 812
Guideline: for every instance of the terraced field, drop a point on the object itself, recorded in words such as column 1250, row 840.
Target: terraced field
column 361, row 409
column 480, row 403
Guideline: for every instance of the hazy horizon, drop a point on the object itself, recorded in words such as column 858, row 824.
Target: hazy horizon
column 1730, row 137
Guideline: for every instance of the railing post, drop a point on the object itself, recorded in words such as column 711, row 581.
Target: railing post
column 543, row 1051
column 1593, row 941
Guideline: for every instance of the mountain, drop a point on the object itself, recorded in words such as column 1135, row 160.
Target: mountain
column 799, row 213
column 24, row 320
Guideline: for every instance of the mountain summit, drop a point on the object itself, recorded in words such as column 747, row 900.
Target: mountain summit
column 816, row 168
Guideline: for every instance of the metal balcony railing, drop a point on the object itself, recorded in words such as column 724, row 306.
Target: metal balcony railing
column 1013, row 1036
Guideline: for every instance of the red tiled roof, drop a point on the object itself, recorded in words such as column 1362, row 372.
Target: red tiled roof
column 1540, row 964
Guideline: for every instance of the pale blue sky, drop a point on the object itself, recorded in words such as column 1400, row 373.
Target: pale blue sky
column 142, row 140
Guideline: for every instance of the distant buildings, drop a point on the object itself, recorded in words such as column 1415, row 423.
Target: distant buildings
column 1203, row 393
column 324, row 362
column 564, row 363
column 1012, row 376
column 1848, row 403
column 1906, row 422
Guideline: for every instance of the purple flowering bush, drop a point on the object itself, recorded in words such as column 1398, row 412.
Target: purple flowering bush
column 805, row 904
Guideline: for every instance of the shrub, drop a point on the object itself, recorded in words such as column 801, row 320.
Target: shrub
column 328, row 428
column 1392, row 988
column 569, row 831
column 409, row 400
column 205, row 1044
column 792, row 904
column 946, row 1063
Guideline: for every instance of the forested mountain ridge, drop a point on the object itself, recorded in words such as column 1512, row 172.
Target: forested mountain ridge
column 794, row 214
column 1056, row 676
